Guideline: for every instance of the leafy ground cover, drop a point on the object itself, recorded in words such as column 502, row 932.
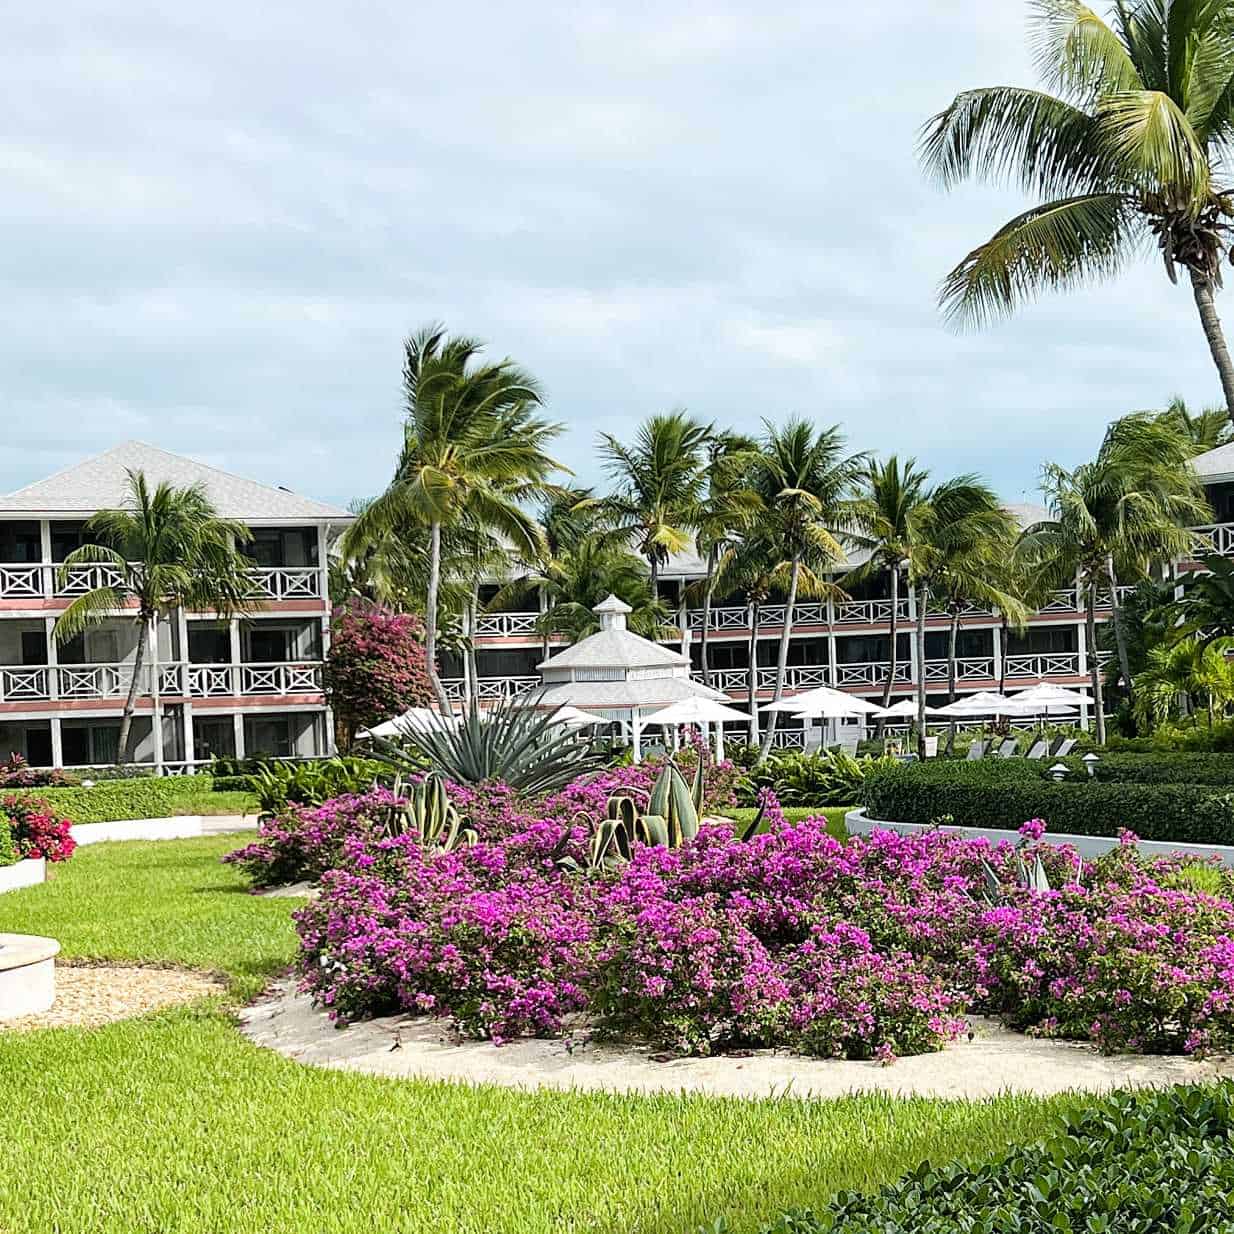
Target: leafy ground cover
column 798, row 814
column 145, row 797
column 174, row 1123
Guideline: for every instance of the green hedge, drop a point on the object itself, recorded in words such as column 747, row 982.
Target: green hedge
column 113, row 800
column 1005, row 794
column 8, row 846
column 1148, row 1163
column 1163, row 767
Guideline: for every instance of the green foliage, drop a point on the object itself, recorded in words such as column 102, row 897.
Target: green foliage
column 1165, row 767
column 510, row 742
column 1005, row 793
column 1144, row 1163
column 8, row 846
column 427, row 814
column 141, row 797
column 824, row 779
column 280, row 784
column 1199, row 879
column 672, row 815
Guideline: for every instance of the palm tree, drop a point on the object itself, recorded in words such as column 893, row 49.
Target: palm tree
column 162, row 550
column 1206, row 608
column 1180, row 673
column 473, row 450
column 804, row 483
column 959, row 541
column 1115, row 518
column 1205, row 430
column 724, row 512
column 661, row 478
column 890, row 492
column 1129, row 152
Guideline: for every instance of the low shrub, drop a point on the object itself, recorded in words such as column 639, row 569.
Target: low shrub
column 1002, row 793
column 1141, row 1163
column 1160, row 767
column 115, row 800
column 312, row 783
column 15, row 772
column 829, row 778
column 36, row 828
column 8, row 847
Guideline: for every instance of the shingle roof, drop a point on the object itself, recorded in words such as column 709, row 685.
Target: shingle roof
column 1214, row 463
column 616, row 649
column 100, row 483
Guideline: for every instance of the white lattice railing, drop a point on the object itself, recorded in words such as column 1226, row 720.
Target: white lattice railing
column 1054, row 664
column 1215, row 538
column 975, row 668
column 34, row 582
column 871, row 673
column 869, row 612
column 489, row 688
column 287, row 583
column 507, row 625
column 105, row 682
column 729, row 618
column 21, row 582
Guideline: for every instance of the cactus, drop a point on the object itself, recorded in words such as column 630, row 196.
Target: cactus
column 428, row 815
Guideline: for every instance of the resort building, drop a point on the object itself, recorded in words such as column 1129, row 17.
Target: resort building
column 247, row 685
column 846, row 644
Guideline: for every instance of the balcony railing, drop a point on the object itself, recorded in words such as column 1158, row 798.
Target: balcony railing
column 106, row 682
column 1214, row 539
column 490, row 688
column 507, row 625
column 44, row 582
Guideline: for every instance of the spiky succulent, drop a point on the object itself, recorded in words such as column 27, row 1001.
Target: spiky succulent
column 426, row 812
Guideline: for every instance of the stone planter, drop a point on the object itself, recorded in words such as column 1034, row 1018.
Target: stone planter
column 27, row 974
column 24, row 874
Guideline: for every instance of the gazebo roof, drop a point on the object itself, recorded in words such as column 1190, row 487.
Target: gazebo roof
column 614, row 647
column 643, row 694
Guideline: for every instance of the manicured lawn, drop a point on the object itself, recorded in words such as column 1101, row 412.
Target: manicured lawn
column 794, row 814
column 175, row 1123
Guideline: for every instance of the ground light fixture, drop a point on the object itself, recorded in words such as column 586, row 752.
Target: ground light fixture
column 1058, row 773
column 1090, row 761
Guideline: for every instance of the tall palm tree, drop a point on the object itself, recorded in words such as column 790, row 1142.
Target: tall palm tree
column 804, row 482
column 891, row 489
column 1205, row 430
column 1130, row 151
column 959, row 540
column 473, row 449
column 164, row 549
column 661, row 479
column 725, row 511
column 1114, row 519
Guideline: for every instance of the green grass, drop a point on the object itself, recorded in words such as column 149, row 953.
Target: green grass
column 169, row 902
column 174, row 1123
column 794, row 814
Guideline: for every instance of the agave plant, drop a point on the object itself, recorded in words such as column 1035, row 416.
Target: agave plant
column 426, row 813
column 609, row 849
column 510, row 743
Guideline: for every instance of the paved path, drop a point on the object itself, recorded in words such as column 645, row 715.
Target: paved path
column 993, row 1062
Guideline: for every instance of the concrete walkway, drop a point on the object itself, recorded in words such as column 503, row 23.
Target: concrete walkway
column 995, row 1061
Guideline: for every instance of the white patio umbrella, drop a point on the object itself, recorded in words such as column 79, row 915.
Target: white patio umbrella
column 825, row 702
column 987, row 703
column 1053, row 696
column 698, row 711
column 577, row 718
column 415, row 720
column 906, row 707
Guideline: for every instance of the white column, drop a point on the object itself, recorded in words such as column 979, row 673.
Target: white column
column 233, row 634
column 636, row 735
column 156, row 722
column 57, row 743
column 49, row 573
column 237, row 721
column 998, row 652
column 1081, row 642
column 323, row 563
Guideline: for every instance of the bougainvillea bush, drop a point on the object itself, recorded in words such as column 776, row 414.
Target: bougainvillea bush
column 376, row 667
column 36, row 828
column 870, row 949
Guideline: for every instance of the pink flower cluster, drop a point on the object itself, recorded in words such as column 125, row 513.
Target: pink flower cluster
column 38, row 831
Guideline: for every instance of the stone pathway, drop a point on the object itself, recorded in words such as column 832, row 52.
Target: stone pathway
column 995, row 1061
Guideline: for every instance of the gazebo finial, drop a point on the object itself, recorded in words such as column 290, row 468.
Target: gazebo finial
column 612, row 613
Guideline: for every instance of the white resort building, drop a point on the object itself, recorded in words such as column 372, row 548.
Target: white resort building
column 248, row 685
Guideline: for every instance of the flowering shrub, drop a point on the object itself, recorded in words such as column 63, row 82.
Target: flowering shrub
column 870, row 949
column 376, row 667
column 15, row 772
column 38, row 831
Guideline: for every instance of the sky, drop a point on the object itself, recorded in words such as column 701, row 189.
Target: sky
column 220, row 221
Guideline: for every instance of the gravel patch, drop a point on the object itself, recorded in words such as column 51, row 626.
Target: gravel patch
column 995, row 1061
column 88, row 996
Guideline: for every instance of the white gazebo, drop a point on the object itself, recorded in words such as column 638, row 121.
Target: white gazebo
column 618, row 675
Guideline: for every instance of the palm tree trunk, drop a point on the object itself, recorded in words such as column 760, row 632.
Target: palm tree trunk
column 473, row 614
column 1094, row 667
column 1202, row 286
column 752, row 673
column 430, row 615
column 891, row 657
column 1002, row 659
column 654, row 566
column 1120, row 632
column 786, row 634
column 923, row 600
column 702, row 640
column 130, row 702
column 952, row 638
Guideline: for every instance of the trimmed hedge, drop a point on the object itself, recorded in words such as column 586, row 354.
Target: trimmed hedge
column 1148, row 1163
column 1005, row 794
column 1165, row 767
column 114, row 800
column 8, row 845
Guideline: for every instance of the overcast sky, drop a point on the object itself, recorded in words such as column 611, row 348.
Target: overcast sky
column 221, row 220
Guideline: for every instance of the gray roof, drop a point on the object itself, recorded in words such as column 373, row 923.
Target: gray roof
column 615, row 649
column 645, row 693
column 1215, row 464
column 100, row 483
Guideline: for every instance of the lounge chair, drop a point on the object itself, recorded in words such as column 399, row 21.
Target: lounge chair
column 1007, row 749
column 975, row 751
column 1038, row 749
column 1065, row 747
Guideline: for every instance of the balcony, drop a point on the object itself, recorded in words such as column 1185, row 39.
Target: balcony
column 491, row 689
column 43, row 582
column 1215, row 539
column 111, row 682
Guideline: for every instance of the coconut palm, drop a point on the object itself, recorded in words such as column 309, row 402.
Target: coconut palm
column 1180, row 675
column 164, row 549
column 1205, row 430
column 1114, row 519
column 959, row 542
column 1129, row 152
column 804, row 483
column 725, row 511
column 661, row 480
column 473, row 451
column 891, row 489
